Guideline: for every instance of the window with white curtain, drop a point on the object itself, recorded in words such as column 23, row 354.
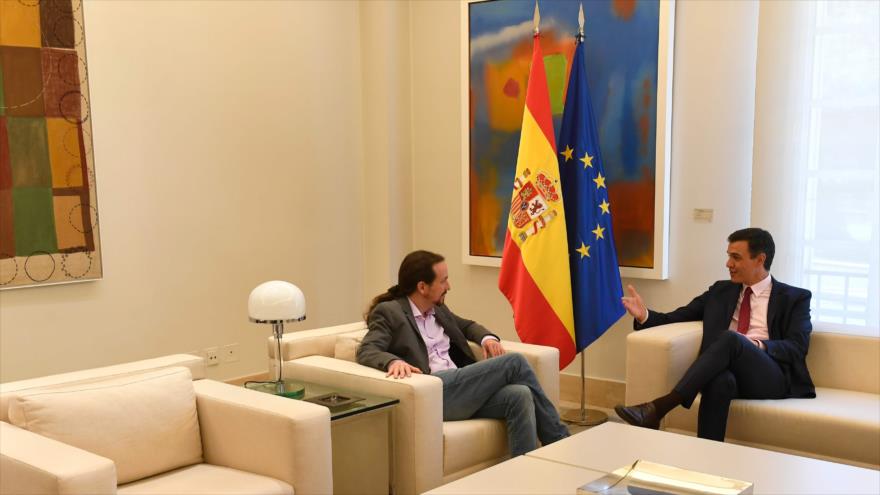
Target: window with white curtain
column 816, row 173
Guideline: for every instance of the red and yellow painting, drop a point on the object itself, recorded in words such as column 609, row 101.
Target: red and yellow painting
column 621, row 48
column 48, row 207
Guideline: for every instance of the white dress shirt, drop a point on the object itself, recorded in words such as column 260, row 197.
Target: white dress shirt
column 760, row 299
column 435, row 339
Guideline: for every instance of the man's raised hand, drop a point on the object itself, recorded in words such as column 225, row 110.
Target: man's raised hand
column 634, row 304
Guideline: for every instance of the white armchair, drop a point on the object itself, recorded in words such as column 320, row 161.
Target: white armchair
column 841, row 424
column 428, row 452
column 148, row 428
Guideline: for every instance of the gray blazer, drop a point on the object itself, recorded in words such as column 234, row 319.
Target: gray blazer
column 393, row 334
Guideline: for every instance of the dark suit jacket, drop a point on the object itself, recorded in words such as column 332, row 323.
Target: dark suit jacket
column 788, row 323
column 393, row 334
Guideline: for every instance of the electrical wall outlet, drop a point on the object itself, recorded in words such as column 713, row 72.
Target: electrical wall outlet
column 212, row 356
column 229, row 353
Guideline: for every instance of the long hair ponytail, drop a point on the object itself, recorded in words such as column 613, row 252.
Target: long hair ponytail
column 417, row 266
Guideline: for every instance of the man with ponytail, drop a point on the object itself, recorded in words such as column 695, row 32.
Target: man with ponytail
column 411, row 330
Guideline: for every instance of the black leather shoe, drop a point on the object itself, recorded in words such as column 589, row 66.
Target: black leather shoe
column 644, row 415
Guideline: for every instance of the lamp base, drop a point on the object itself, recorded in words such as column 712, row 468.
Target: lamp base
column 584, row 417
column 285, row 388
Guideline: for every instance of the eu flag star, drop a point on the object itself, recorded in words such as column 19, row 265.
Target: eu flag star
column 588, row 160
column 567, row 153
column 600, row 181
column 600, row 232
column 584, row 250
column 605, row 205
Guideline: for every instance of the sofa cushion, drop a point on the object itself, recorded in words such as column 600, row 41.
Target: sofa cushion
column 146, row 423
column 825, row 355
column 839, row 424
column 205, row 478
column 472, row 441
column 347, row 344
column 8, row 390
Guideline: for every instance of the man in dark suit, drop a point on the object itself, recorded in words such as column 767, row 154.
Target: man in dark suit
column 756, row 332
column 412, row 331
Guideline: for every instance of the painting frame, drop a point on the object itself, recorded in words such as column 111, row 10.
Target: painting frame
column 665, row 43
column 49, row 225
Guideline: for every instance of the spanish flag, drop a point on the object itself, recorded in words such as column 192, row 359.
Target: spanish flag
column 535, row 274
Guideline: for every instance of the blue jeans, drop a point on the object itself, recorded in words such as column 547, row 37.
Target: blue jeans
column 503, row 387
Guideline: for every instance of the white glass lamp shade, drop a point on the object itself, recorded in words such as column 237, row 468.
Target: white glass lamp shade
column 276, row 301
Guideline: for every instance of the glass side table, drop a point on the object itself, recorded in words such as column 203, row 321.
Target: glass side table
column 342, row 403
column 360, row 430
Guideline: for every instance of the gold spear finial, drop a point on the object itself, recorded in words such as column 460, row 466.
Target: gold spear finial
column 537, row 18
column 581, row 23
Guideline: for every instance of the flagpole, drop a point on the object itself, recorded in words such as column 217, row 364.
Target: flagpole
column 584, row 416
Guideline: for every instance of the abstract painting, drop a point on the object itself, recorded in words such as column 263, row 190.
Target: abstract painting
column 628, row 55
column 48, row 204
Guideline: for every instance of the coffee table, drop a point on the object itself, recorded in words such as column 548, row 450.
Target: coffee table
column 613, row 445
column 522, row 475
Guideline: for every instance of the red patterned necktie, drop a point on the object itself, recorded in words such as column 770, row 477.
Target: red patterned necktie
column 745, row 312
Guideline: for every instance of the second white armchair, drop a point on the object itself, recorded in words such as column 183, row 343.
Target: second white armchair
column 428, row 452
column 148, row 428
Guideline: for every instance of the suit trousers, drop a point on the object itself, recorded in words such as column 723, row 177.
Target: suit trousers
column 732, row 367
column 503, row 387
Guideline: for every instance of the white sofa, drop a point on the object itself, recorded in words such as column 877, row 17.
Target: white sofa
column 428, row 452
column 147, row 428
column 841, row 424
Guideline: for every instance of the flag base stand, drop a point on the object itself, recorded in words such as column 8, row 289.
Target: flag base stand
column 584, row 417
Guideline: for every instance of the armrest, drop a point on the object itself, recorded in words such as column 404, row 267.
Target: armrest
column 319, row 341
column 266, row 434
column 34, row 464
column 544, row 361
column 417, row 421
column 656, row 359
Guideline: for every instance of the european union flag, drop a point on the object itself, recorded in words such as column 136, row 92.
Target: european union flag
column 595, row 277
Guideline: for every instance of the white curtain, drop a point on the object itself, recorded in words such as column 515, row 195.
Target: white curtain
column 816, row 168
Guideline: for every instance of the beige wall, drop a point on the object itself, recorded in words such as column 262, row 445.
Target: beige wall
column 388, row 217
column 228, row 152
column 317, row 142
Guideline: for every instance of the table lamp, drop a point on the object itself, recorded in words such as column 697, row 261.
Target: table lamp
column 277, row 302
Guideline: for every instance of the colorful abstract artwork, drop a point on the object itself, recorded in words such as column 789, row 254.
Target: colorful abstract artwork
column 48, row 208
column 623, row 46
